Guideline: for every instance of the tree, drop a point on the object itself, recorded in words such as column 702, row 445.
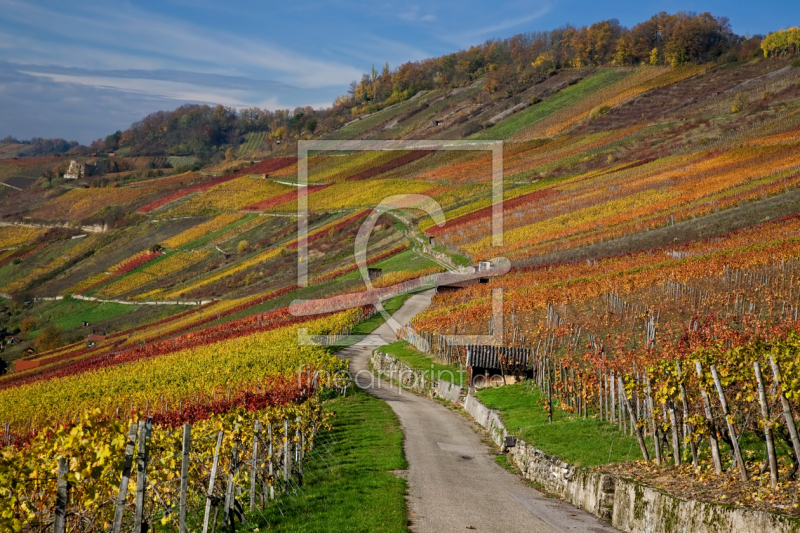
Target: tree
column 49, row 339
column 230, row 154
column 242, row 247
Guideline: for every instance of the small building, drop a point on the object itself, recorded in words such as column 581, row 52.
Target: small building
column 495, row 364
column 75, row 171
column 436, row 122
column 432, row 241
column 374, row 273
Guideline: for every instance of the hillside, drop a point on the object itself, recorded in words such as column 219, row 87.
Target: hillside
column 650, row 216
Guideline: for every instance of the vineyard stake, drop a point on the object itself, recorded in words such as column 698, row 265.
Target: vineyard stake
column 734, row 441
column 230, row 503
column 656, row 442
column 612, row 395
column 687, row 427
column 762, row 399
column 271, row 473
column 676, row 449
column 141, row 473
column 299, row 451
column 211, row 481
column 787, row 409
column 286, row 457
column 126, row 475
column 187, row 443
column 635, row 422
column 62, row 497
column 254, row 466
column 712, row 436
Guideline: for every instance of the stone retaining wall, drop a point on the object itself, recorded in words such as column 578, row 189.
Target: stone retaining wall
column 419, row 382
column 629, row 505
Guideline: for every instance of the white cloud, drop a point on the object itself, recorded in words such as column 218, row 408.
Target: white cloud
column 126, row 36
column 167, row 89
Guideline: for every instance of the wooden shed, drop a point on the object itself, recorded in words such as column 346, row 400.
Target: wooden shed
column 487, row 364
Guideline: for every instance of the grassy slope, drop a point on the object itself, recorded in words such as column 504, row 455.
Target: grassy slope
column 69, row 314
column 575, row 440
column 419, row 361
column 551, row 105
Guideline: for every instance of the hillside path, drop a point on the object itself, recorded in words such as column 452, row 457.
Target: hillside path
column 453, row 482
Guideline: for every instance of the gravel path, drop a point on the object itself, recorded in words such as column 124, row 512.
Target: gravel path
column 453, row 482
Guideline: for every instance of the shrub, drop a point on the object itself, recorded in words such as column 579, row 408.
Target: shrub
column 534, row 100
column 242, row 246
column 796, row 63
column 49, row 339
column 28, row 324
column 738, row 103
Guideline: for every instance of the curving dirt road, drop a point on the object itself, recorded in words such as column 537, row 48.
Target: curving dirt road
column 453, row 482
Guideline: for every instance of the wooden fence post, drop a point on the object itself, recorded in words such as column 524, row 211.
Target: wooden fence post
column 712, row 435
column 62, row 497
column 762, row 399
column 731, row 430
column 126, row 476
column 211, row 480
column 787, row 410
column 187, row 443
column 141, row 473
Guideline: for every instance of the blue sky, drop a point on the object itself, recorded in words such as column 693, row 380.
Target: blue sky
column 81, row 70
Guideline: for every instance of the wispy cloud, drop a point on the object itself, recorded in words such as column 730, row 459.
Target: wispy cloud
column 124, row 36
column 413, row 14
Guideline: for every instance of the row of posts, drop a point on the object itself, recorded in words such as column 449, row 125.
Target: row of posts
column 230, row 511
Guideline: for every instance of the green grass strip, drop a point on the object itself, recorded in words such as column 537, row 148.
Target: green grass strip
column 419, row 361
column 589, row 442
column 356, row 490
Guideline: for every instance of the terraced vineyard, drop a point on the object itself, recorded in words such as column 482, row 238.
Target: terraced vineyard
column 649, row 215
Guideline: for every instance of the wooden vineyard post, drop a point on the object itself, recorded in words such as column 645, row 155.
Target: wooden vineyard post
column 229, row 510
column 712, row 435
column 271, row 472
column 286, row 456
column 299, row 449
column 651, row 407
column 762, row 399
column 600, row 395
column 254, row 467
column 141, row 473
column 673, row 421
column 787, row 410
column 62, row 497
column 734, row 441
column 211, row 480
column 687, row 427
column 187, row 443
column 635, row 422
column 612, row 395
column 549, row 394
column 126, row 476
